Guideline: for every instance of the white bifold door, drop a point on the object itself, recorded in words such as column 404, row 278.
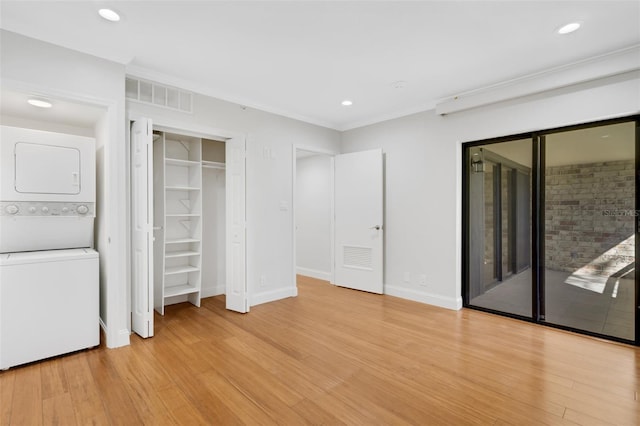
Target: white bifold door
column 236, row 287
column 359, row 231
column 142, row 227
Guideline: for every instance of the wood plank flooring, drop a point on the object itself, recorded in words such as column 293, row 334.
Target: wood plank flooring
column 333, row 356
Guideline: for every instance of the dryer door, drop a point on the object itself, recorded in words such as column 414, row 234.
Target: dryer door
column 46, row 169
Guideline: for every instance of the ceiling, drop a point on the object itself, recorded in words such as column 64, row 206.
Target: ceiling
column 301, row 59
column 64, row 113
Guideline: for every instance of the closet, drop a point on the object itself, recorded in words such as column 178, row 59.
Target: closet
column 189, row 218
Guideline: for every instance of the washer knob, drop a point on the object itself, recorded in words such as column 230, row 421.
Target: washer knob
column 82, row 209
column 32, row 209
column 11, row 209
column 65, row 209
column 45, row 209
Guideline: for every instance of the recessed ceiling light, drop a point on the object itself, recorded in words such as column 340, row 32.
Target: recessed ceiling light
column 569, row 28
column 40, row 103
column 347, row 102
column 109, row 15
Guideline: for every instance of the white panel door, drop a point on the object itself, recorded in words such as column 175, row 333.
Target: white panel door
column 142, row 227
column 236, row 286
column 359, row 229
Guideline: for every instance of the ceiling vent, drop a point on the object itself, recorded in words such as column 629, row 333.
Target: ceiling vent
column 159, row 95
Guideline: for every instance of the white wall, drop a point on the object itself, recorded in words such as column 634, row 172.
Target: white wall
column 313, row 216
column 213, row 232
column 423, row 174
column 270, row 139
column 30, row 65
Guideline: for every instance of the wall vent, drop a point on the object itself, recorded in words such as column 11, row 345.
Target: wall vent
column 357, row 257
column 158, row 95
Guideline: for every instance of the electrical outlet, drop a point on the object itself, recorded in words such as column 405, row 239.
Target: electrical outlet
column 423, row 280
column 263, row 281
column 407, row 277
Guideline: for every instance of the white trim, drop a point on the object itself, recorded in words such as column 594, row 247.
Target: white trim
column 610, row 64
column 314, row 273
column 170, row 125
column 423, row 297
column 154, row 76
column 272, row 295
column 216, row 290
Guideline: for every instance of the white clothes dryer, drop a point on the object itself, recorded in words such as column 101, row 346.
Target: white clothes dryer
column 47, row 190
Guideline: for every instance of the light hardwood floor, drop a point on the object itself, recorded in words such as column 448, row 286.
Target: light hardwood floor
column 333, row 356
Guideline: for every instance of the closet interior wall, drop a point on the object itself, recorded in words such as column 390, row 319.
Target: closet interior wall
column 213, row 218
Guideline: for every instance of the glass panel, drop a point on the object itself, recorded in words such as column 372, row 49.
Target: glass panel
column 589, row 229
column 500, row 227
column 489, row 275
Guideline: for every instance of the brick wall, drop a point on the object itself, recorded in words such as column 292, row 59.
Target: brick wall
column 589, row 222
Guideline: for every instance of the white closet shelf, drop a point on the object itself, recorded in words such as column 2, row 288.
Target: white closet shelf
column 179, row 162
column 183, row 215
column 178, row 290
column 181, row 253
column 182, row 241
column 213, row 165
column 182, row 188
column 180, row 269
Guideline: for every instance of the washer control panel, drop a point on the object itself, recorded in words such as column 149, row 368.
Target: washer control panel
column 46, row 208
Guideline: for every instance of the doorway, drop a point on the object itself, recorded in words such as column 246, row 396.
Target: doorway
column 550, row 222
column 356, row 230
column 188, row 219
column 313, row 214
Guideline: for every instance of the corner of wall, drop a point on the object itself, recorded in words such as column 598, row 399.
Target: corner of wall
column 115, row 340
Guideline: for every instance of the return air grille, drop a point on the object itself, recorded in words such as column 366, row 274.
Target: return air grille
column 356, row 257
column 159, row 95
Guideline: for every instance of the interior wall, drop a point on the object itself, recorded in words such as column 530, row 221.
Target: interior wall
column 423, row 174
column 269, row 140
column 27, row 64
column 313, row 216
column 213, row 231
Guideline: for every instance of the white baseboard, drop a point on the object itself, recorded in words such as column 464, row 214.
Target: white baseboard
column 216, row 290
column 272, row 295
column 424, row 297
column 314, row 273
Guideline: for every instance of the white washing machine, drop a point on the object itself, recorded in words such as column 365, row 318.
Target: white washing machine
column 48, row 304
column 49, row 275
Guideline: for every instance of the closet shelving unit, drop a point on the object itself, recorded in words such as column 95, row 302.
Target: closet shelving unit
column 178, row 207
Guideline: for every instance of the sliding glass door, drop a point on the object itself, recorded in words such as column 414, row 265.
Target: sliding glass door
column 589, row 229
column 500, row 226
column 549, row 227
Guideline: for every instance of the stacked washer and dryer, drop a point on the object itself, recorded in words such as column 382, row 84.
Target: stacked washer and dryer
column 49, row 274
